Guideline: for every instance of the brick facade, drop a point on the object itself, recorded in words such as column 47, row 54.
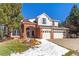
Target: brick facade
column 26, row 25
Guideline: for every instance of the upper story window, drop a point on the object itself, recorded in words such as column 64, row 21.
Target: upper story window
column 55, row 24
column 44, row 21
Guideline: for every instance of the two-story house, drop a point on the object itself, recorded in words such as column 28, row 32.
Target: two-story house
column 42, row 27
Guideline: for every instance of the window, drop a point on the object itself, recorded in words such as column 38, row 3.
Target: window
column 44, row 21
column 16, row 32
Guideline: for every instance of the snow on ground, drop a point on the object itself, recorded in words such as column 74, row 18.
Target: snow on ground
column 46, row 48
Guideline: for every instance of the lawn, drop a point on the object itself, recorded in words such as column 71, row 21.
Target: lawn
column 13, row 46
column 70, row 53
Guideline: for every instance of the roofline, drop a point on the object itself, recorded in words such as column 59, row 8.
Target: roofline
column 27, row 21
column 60, row 28
column 47, row 16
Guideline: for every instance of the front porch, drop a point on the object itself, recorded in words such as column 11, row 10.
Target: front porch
column 29, row 30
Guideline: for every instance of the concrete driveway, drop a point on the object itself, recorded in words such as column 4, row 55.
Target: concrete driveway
column 46, row 48
column 67, row 43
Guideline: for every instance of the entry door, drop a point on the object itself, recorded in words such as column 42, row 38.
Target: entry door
column 30, row 32
column 46, row 35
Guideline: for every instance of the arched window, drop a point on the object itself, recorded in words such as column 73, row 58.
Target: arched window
column 44, row 20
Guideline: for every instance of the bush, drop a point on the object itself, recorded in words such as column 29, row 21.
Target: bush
column 35, row 42
column 13, row 46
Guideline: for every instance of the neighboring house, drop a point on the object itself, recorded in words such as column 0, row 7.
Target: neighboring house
column 42, row 27
column 3, row 31
column 15, row 33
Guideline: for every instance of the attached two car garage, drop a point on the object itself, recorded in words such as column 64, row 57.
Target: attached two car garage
column 53, row 34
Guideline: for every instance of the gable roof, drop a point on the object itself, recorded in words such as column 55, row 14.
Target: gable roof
column 46, row 16
column 25, row 21
column 32, row 20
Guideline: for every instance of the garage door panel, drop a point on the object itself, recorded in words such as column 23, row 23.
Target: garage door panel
column 46, row 35
column 58, row 35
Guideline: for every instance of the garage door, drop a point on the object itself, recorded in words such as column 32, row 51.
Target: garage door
column 46, row 35
column 58, row 35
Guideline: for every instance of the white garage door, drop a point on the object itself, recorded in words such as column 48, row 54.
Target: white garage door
column 46, row 35
column 58, row 35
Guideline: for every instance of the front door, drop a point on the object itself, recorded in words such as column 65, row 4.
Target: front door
column 30, row 32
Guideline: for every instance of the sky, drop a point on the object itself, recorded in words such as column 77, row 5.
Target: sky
column 57, row 11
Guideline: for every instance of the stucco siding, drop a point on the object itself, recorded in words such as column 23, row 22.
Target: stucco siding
column 55, row 24
column 48, row 22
